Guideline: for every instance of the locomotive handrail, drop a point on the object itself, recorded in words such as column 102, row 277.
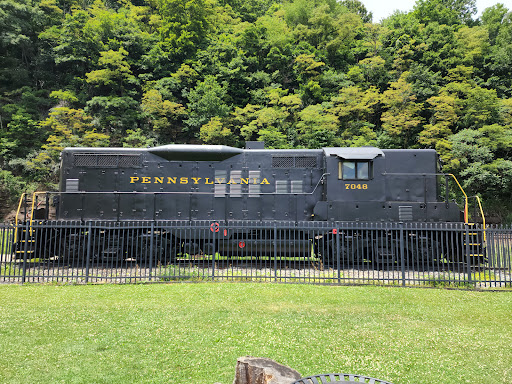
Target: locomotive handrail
column 17, row 216
column 34, row 197
column 30, row 218
column 483, row 216
column 466, row 219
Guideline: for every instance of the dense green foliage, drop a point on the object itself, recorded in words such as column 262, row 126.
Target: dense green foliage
column 295, row 73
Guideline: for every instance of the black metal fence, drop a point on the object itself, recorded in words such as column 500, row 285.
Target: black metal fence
column 427, row 254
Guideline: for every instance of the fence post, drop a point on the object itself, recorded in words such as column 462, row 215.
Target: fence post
column 467, row 250
column 214, row 250
column 338, row 261
column 87, row 261
column 25, row 251
column 402, row 252
column 151, row 248
column 275, row 251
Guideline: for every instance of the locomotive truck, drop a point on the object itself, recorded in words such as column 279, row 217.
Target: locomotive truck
column 219, row 185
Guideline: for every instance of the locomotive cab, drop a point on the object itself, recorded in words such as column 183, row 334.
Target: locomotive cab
column 370, row 184
column 350, row 183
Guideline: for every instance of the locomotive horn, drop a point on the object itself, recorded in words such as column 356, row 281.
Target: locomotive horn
column 185, row 152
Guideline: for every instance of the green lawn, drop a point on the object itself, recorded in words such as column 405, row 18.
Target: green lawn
column 193, row 333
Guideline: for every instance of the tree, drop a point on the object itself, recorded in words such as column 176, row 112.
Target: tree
column 214, row 132
column 72, row 47
column 67, row 128
column 355, row 6
column 115, row 115
column 22, row 136
column 137, row 139
column 18, row 35
column 498, row 63
column 357, row 112
column 184, row 28
column 401, row 120
column 205, row 101
column 165, row 117
column 114, row 75
column 317, row 127
column 444, row 111
column 477, row 106
column 481, row 167
column 445, row 11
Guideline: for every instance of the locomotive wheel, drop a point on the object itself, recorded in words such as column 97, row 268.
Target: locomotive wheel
column 71, row 250
column 208, row 249
column 427, row 256
column 192, row 249
column 323, row 250
column 161, row 253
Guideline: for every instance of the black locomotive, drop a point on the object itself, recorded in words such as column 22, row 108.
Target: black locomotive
column 219, row 185
column 194, row 182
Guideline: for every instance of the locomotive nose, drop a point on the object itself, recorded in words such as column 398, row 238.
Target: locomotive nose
column 186, row 152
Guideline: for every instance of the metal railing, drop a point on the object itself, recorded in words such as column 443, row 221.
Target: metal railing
column 424, row 254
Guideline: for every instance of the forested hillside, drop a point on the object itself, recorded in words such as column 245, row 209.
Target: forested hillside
column 294, row 73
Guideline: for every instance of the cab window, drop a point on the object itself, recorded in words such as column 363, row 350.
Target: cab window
column 354, row 170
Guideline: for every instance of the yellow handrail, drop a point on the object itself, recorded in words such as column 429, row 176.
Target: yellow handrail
column 32, row 208
column 466, row 220
column 17, row 215
column 482, row 213
column 31, row 217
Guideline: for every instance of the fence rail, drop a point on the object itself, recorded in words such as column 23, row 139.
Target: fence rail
column 426, row 254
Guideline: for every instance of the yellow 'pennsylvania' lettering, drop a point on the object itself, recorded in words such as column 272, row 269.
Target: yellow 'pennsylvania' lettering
column 195, row 180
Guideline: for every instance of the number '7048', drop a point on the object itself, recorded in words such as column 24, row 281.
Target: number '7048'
column 356, row 186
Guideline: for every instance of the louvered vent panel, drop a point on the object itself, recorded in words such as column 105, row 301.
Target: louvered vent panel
column 254, row 183
column 296, row 186
column 281, row 186
column 72, row 185
column 220, row 183
column 235, row 189
column 405, row 213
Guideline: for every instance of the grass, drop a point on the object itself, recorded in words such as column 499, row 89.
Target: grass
column 193, row 333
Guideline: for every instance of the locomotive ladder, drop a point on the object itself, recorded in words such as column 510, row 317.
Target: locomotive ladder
column 474, row 241
column 24, row 239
